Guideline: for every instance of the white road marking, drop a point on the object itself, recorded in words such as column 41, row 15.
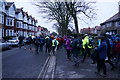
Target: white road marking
column 43, row 67
column 48, row 60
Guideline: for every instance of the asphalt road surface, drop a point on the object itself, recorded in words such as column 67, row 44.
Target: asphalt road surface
column 21, row 63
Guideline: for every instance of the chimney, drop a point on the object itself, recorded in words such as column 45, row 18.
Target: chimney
column 119, row 6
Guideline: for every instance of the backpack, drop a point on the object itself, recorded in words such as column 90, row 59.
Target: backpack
column 55, row 43
column 41, row 41
column 70, row 43
column 78, row 45
column 90, row 43
column 37, row 41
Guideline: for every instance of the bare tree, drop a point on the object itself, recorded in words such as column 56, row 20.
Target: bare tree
column 80, row 8
column 57, row 11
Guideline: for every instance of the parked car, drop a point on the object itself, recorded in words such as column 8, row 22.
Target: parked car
column 14, row 41
column 4, row 45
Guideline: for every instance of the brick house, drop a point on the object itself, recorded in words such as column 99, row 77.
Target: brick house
column 112, row 25
column 94, row 30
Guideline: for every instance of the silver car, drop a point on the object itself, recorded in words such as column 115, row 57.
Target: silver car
column 14, row 41
column 4, row 45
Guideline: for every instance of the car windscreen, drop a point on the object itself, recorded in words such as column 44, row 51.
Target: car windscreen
column 14, row 38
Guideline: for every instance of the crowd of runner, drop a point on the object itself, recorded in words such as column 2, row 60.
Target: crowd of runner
column 106, row 50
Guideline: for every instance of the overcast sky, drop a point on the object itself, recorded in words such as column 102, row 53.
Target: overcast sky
column 106, row 9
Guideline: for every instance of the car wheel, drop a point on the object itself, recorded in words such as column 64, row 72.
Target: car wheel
column 9, row 47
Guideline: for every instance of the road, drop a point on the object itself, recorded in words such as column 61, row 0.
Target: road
column 21, row 63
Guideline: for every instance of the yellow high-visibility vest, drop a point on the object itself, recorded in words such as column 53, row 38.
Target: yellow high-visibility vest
column 53, row 41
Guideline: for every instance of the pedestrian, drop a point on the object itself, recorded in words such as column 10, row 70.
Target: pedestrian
column 117, row 51
column 101, row 56
column 85, row 44
column 25, row 43
column 50, row 43
column 41, row 42
column 47, row 41
column 59, row 40
column 54, row 44
column 109, row 52
column 75, row 50
column 68, row 45
column 30, row 43
column 20, row 41
column 37, row 44
column 93, row 55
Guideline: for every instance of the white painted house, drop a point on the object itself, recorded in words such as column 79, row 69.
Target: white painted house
column 14, row 21
column 2, row 16
column 10, row 10
column 19, row 21
column 25, row 23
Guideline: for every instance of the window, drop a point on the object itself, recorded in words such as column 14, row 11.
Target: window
column 20, row 25
column 3, row 19
column 2, row 32
column 116, row 24
column 10, row 22
column 108, row 24
column 17, row 24
column 7, row 22
column 0, row 18
column 7, row 32
column 11, row 33
column 103, row 26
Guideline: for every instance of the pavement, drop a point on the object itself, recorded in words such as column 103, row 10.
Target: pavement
column 65, row 68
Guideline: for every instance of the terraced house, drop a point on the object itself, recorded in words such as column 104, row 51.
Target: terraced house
column 14, row 21
column 112, row 25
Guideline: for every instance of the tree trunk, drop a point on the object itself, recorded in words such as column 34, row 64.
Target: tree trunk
column 76, row 24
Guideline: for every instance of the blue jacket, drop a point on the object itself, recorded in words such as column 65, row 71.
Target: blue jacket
column 102, row 50
column 74, row 47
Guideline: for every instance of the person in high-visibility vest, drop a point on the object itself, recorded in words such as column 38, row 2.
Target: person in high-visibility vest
column 54, row 44
column 59, row 41
column 85, row 43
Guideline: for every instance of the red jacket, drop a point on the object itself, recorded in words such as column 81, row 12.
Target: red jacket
column 117, row 49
